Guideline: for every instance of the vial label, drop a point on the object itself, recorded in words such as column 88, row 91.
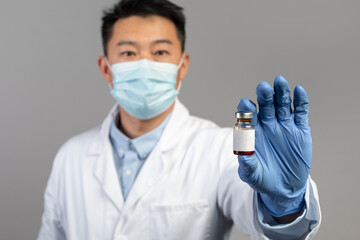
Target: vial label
column 244, row 140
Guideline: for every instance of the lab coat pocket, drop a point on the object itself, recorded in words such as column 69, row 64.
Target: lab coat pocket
column 180, row 221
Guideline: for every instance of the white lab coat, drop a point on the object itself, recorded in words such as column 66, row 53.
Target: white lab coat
column 188, row 188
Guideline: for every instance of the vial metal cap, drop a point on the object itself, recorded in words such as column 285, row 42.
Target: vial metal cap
column 246, row 115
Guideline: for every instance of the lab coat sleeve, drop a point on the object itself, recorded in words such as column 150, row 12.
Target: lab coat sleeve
column 51, row 227
column 304, row 227
column 240, row 203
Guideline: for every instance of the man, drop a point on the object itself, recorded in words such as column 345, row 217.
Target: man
column 152, row 171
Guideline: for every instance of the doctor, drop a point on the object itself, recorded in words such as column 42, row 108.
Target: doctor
column 152, row 171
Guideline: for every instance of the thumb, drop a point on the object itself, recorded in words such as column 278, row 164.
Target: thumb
column 246, row 105
column 248, row 169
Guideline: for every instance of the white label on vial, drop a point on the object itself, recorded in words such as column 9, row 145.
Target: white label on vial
column 244, row 140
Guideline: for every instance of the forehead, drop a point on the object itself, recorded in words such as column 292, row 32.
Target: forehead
column 144, row 29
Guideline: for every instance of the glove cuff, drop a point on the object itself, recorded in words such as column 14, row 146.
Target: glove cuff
column 280, row 206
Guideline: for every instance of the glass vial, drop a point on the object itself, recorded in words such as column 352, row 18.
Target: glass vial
column 244, row 134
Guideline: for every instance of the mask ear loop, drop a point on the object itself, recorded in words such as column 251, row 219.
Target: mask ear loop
column 181, row 62
column 179, row 66
column 179, row 86
column 108, row 64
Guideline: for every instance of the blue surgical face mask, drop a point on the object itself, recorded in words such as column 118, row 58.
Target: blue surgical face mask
column 145, row 88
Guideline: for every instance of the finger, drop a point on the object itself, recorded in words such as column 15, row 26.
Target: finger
column 282, row 99
column 301, row 107
column 265, row 97
column 246, row 105
column 247, row 169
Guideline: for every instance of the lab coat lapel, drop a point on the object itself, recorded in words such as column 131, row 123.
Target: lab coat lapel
column 106, row 173
column 160, row 161
column 149, row 175
column 104, row 167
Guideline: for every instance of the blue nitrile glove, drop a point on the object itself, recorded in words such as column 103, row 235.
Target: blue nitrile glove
column 280, row 167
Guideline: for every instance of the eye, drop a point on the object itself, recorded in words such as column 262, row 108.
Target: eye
column 128, row 53
column 161, row 53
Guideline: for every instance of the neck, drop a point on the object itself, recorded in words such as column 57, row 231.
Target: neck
column 133, row 127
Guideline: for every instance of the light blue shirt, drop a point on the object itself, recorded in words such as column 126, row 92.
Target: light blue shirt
column 131, row 154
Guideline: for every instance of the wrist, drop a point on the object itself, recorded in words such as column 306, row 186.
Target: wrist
column 279, row 206
column 288, row 218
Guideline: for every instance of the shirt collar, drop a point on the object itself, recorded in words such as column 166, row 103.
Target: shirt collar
column 143, row 145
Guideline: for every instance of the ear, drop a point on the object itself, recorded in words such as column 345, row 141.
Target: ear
column 184, row 67
column 105, row 70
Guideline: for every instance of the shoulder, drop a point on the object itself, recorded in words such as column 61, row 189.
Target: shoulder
column 201, row 123
column 208, row 134
column 75, row 148
column 208, row 129
column 80, row 142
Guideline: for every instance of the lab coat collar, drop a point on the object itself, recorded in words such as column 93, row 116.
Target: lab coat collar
column 143, row 145
column 168, row 140
column 174, row 129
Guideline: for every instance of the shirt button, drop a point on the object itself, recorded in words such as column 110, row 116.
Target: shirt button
column 121, row 151
column 128, row 172
column 144, row 155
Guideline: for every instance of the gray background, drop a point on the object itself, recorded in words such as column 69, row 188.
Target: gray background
column 51, row 88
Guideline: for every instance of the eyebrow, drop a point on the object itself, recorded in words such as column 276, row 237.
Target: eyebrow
column 126, row 43
column 161, row 41
column 121, row 43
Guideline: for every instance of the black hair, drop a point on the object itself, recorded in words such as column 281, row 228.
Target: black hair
column 143, row 8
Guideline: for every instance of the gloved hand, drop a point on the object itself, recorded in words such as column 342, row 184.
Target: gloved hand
column 280, row 167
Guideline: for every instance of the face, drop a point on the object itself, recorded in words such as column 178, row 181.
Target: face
column 152, row 37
